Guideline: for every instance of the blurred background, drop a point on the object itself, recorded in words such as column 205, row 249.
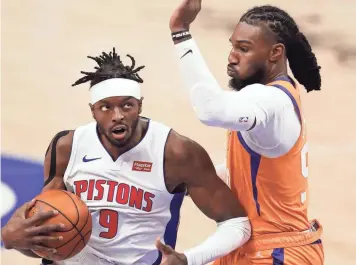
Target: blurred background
column 44, row 45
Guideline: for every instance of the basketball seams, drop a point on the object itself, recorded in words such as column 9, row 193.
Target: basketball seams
column 76, row 207
column 88, row 215
column 73, row 247
column 59, row 212
column 77, row 244
column 79, row 231
column 74, row 226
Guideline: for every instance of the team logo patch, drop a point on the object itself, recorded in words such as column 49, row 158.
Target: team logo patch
column 86, row 160
column 141, row 166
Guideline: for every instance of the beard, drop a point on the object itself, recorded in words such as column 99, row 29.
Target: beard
column 236, row 83
column 119, row 143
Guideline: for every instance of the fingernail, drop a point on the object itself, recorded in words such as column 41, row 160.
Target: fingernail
column 60, row 238
column 54, row 250
column 62, row 225
column 55, row 212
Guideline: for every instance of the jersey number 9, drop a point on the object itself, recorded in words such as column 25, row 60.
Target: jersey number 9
column 109, row 219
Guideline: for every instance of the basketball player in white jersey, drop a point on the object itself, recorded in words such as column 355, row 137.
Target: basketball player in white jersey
column 133, row 173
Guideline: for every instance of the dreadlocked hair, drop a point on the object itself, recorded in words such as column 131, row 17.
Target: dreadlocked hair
column 302, row 60
column 110, row 66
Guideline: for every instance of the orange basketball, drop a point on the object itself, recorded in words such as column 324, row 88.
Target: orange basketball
column 73, row 213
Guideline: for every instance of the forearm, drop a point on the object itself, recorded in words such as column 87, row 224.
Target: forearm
column 212, row 105
column 230, row 235
column 26, row 252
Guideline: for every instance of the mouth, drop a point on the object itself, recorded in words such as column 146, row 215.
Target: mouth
column 119, row 132
column 231, row 71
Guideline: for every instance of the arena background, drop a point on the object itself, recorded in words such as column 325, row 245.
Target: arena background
column 44, row 47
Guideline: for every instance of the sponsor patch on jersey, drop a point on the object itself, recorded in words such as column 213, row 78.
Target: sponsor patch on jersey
column 142, row 166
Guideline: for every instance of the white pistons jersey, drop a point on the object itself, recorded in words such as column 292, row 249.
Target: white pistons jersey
column 127, row 198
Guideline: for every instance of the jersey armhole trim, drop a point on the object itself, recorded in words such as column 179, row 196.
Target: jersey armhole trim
column 164, row 161
column 245, row 145
column 295, row 104
column 53, row 167
column 71, row 158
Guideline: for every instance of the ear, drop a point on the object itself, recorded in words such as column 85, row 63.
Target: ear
column 140, row 105
column 277, row 52
column 92, row 110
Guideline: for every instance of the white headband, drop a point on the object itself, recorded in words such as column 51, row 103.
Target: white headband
column 115, row 87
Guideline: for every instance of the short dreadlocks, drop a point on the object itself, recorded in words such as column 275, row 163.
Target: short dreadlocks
column 110, row 66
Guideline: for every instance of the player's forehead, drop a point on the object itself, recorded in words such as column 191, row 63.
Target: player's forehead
column 116, row 100
column 248, row 33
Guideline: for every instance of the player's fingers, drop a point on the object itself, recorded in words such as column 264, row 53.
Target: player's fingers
column 44, row 240
column 42, row 216
column 45, row 229
column 44, row 249
column 162, row 247
column 28, row 207
column 21, row 211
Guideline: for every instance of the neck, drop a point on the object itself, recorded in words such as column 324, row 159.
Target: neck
column 276, row 71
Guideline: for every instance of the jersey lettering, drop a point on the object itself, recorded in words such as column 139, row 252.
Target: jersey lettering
column 122, row 193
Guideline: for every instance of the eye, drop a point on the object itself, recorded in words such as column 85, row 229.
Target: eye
column 104, row 108
column 128, row 105
column 243, row 49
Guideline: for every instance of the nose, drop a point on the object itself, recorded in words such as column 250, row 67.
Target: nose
column 117, row 115
column 233, row 58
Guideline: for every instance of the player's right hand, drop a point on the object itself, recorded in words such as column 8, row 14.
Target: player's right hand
column 184, row 15
column 21, row 233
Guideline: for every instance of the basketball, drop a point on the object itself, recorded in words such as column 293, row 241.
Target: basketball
column 73, row 213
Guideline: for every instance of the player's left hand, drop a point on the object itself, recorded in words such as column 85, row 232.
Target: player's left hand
column 170, row 256
column 184, row 15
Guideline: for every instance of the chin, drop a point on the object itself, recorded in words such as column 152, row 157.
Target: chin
column 235, row 84
column 121, row 143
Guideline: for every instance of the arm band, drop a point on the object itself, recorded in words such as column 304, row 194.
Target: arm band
column 228, row 236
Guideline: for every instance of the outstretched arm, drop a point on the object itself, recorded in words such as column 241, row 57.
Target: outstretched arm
column 189, row 164
column 212, row 105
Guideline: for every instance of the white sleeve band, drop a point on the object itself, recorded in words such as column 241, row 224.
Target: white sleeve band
column 228, row 236
column 212, row 105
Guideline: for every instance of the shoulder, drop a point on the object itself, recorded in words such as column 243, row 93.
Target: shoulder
column 182, row 149
column 61, row 145
column 66, row 141
column 270, row 102
column 63, row 140
column 58, row 156
column 266, row 94
column 186, row 161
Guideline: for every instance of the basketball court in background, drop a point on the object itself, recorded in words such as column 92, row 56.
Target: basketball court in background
column 44, row 48
column 21, row 180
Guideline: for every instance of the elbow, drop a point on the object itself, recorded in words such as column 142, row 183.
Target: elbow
column 207, row 115
column 246, row 232
column 206, row 121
